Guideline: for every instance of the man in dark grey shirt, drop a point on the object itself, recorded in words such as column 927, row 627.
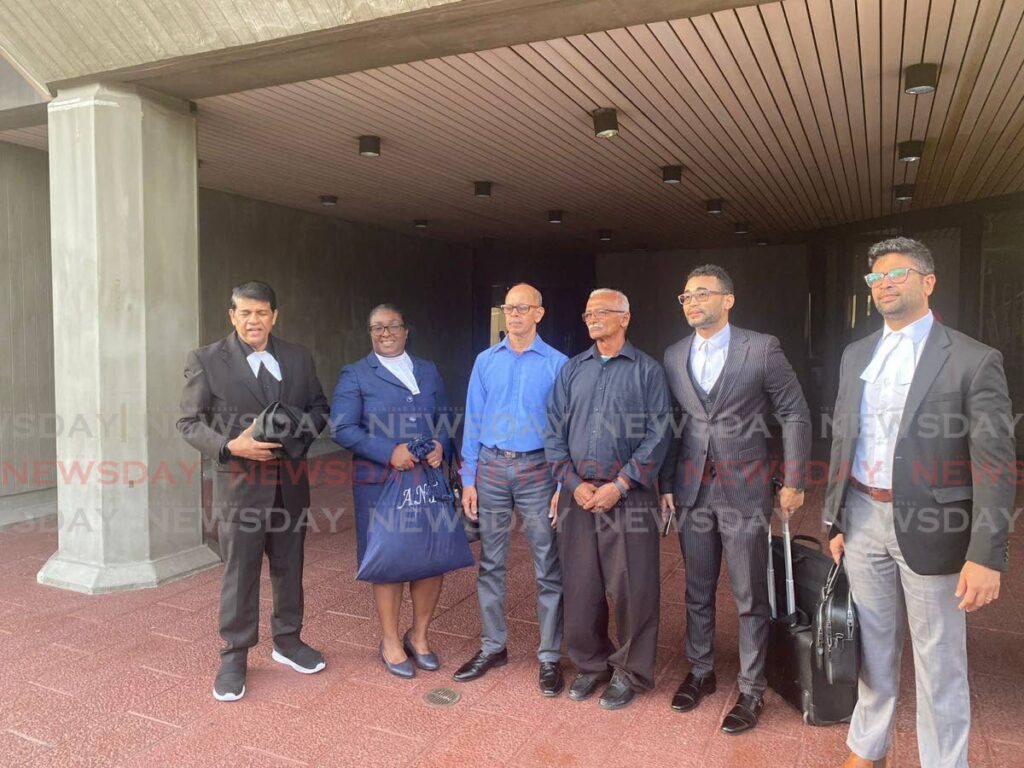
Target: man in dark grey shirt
column 607, row 435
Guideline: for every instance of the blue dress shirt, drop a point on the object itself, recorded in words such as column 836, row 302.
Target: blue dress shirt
column 506, row 405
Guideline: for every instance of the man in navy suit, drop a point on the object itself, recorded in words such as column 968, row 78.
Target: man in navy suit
column 259, row 502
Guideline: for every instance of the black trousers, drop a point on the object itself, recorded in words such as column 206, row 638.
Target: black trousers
column 281, row 535
column 612, row 554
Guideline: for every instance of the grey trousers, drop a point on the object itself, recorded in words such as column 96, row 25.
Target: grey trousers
column 525, row 485
column 706, row 532
column 889, row 596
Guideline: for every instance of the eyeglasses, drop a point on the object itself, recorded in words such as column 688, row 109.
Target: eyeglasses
column 896, row 276
column 700, row 296
column 378, row 330
column 600, row 314
column 517, row 309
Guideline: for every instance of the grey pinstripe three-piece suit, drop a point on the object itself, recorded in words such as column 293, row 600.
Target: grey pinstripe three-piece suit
column 727, row 428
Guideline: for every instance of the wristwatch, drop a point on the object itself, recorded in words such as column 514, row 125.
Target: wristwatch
column 623, row 488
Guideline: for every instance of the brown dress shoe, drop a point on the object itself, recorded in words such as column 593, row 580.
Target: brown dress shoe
column 856, row 761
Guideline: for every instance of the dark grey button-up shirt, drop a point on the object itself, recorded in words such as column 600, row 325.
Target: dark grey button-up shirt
column 608, row 418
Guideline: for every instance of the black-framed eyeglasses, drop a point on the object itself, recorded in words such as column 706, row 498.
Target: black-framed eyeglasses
column 896, row 276
column 378, row 330
column 517, row 309
column 700, row 296
column 600, row 314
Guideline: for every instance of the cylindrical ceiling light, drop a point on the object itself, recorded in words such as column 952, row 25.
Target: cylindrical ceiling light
column 919, row 79
column 481, row 189
column 903, row 193
column 714, row 207
column 742, row 227
column 369, row 146
column 604, row 235
column 910, row 151
column 606, row 123
column 328, row 199
column 555, row 217
column 420, row 223
column 672, row 174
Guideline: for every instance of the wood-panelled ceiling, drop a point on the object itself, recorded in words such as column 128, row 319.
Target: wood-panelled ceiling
column 789, row 111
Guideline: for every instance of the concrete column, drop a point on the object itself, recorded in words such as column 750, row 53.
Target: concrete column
column 124, row 241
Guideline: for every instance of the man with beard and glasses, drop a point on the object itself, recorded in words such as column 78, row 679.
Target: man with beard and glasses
column 922, row 515
column 728, row 381
column 608, row 418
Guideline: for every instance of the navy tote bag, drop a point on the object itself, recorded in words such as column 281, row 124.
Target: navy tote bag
column 415, row 532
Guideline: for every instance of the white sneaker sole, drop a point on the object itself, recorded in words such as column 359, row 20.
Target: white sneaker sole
column 280, row 658
column 228, row 696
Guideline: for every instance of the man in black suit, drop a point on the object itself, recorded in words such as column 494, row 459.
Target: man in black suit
column 920, row 499
column 728, row 381
column 259, row 502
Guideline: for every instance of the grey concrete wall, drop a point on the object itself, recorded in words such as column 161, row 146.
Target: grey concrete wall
column 26, row 321
column 14, row 89
column 771, row 293
column 328, row 274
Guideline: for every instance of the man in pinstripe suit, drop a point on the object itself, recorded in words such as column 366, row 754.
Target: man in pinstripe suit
column 728, row 381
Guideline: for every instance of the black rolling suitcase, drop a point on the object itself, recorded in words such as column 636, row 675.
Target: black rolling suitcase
column 813, row 650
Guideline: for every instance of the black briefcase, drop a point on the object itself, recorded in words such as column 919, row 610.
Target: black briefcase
column 836, row 631
column 793, row 668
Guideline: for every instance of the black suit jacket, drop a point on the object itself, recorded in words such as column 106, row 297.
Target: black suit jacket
column 953, row 477
column 222, row 397
column 756, row 383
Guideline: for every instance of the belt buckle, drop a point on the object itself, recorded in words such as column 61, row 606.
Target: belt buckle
column 508, row 454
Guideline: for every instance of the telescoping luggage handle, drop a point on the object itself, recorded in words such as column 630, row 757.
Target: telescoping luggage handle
column 790, row 585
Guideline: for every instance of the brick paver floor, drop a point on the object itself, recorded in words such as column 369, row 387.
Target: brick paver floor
column 125, row 679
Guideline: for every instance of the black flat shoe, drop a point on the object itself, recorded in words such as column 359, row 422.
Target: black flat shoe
column 743, row 716
column 480, row 664
column 586, row 683
column 403, row 669
column 425, row 661
column 551, row 681
column 692, row 690
column 618, row 693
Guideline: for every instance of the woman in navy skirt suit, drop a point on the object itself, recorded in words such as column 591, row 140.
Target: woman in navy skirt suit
column 379, row 404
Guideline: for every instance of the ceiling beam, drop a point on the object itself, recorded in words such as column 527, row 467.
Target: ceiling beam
column 22, row 117
column 471, row 25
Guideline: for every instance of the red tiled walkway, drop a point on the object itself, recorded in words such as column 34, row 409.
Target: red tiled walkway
column 125, row 680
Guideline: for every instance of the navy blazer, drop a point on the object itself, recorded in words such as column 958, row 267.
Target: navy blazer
column 372, row 412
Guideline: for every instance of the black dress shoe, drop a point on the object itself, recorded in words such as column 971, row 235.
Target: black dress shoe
column 618, row 693
column 692, row 690
column 743, row 716
column 479, row 664
column 586, row 683
column 551, row 681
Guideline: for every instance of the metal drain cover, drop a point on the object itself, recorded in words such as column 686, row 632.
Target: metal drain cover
column 442, row 697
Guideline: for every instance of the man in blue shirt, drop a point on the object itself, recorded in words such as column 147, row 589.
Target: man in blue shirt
column 503, row 467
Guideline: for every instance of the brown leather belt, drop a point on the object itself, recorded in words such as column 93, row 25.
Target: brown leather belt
column 883, row 495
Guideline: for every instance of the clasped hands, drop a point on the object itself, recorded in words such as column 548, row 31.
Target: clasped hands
column 596, row 499
column 402, row 459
